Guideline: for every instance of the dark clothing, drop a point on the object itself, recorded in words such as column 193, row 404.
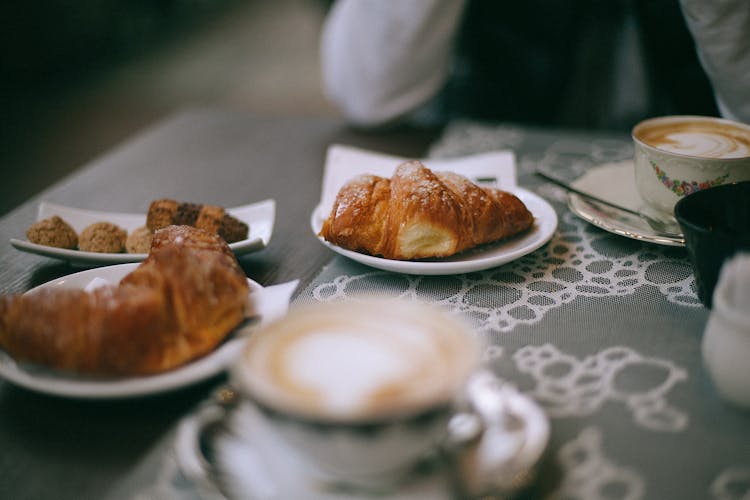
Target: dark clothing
column 552, row 62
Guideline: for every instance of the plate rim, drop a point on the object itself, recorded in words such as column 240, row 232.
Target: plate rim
column 57, row 383
column 577, row 203
column 453, row 267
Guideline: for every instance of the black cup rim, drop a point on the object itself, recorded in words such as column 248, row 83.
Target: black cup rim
column 710, row 244
column 685, row 203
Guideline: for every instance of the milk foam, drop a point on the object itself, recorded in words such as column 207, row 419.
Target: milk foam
column 358, row 363
column 696, row 136
column 346, row 371
column 704, row 143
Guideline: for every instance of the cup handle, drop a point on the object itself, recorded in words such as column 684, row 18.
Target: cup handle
column 190, row 457
column 496, row 438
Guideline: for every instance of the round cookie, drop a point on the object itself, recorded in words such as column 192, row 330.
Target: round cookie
column 139, row 240
column 52, row 232
column 103, row 237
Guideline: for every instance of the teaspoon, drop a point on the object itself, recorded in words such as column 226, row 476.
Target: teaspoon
column 665, row 229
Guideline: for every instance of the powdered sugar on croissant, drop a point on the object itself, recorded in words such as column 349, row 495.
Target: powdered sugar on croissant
column 418, row 214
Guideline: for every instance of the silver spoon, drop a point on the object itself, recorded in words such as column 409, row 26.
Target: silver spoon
column 665, row 229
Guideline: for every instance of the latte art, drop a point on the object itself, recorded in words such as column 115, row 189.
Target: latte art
column 696, row 138
column 358, row 363
column 315, row 362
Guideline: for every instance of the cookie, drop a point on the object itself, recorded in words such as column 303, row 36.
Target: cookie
column 187, row 214
column 232, row 229
column 103, row 237
column 209, row 218
column 52, row 232
column 161, row 214
column 139, row 240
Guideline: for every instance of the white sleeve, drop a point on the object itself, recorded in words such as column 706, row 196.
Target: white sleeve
column 721, row 30
column 382, row 59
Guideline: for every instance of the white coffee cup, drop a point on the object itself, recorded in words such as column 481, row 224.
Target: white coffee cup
column 678, row 155
column 362, row 389
column 423, row 414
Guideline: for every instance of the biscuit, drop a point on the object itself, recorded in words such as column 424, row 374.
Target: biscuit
column 103, row 237
column 232, row 229
column 52, row 232
column 161, row 214
column 187, row 214
column 139, row 240
column 209, row 218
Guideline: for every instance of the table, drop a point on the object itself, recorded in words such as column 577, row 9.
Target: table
column 603, row 331
column 54, row 448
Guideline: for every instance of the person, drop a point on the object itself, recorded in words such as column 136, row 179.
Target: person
column 721, row 30
column 582, row 63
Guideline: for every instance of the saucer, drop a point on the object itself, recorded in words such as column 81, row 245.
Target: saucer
column 615, row 182
column 227, row 449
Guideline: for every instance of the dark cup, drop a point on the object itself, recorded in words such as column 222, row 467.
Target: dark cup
column 716, row 225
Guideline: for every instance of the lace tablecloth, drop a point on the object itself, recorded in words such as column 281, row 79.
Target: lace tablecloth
column 601, row 330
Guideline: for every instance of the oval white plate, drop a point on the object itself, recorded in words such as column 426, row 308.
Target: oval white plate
column 615, row 182
column 61, row 383
column 477, row 259
column 258, row 216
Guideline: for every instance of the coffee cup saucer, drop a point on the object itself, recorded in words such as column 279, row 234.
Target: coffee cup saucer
column 615, row 182
column 227, row 450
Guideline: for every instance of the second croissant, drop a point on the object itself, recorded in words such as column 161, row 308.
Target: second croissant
column 418, row 214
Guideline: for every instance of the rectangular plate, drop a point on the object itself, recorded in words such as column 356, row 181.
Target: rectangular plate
column 258, row 216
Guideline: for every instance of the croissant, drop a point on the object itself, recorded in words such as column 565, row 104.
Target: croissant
column 177, row 305
column 418, row 214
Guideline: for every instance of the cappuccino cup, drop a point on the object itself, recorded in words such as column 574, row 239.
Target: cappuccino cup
column 363, row 391
column 679, row 155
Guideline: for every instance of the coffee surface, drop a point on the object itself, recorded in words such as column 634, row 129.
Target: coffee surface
column 350, row 364
column 707, row 139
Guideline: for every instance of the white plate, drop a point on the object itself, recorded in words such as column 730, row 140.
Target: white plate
column 343, row 163
column 476, row 259
column 615, row 182
column 258, row 216
column 268, row 303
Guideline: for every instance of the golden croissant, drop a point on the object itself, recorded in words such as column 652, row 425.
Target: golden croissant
column 177, row 305
column 418, row 214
